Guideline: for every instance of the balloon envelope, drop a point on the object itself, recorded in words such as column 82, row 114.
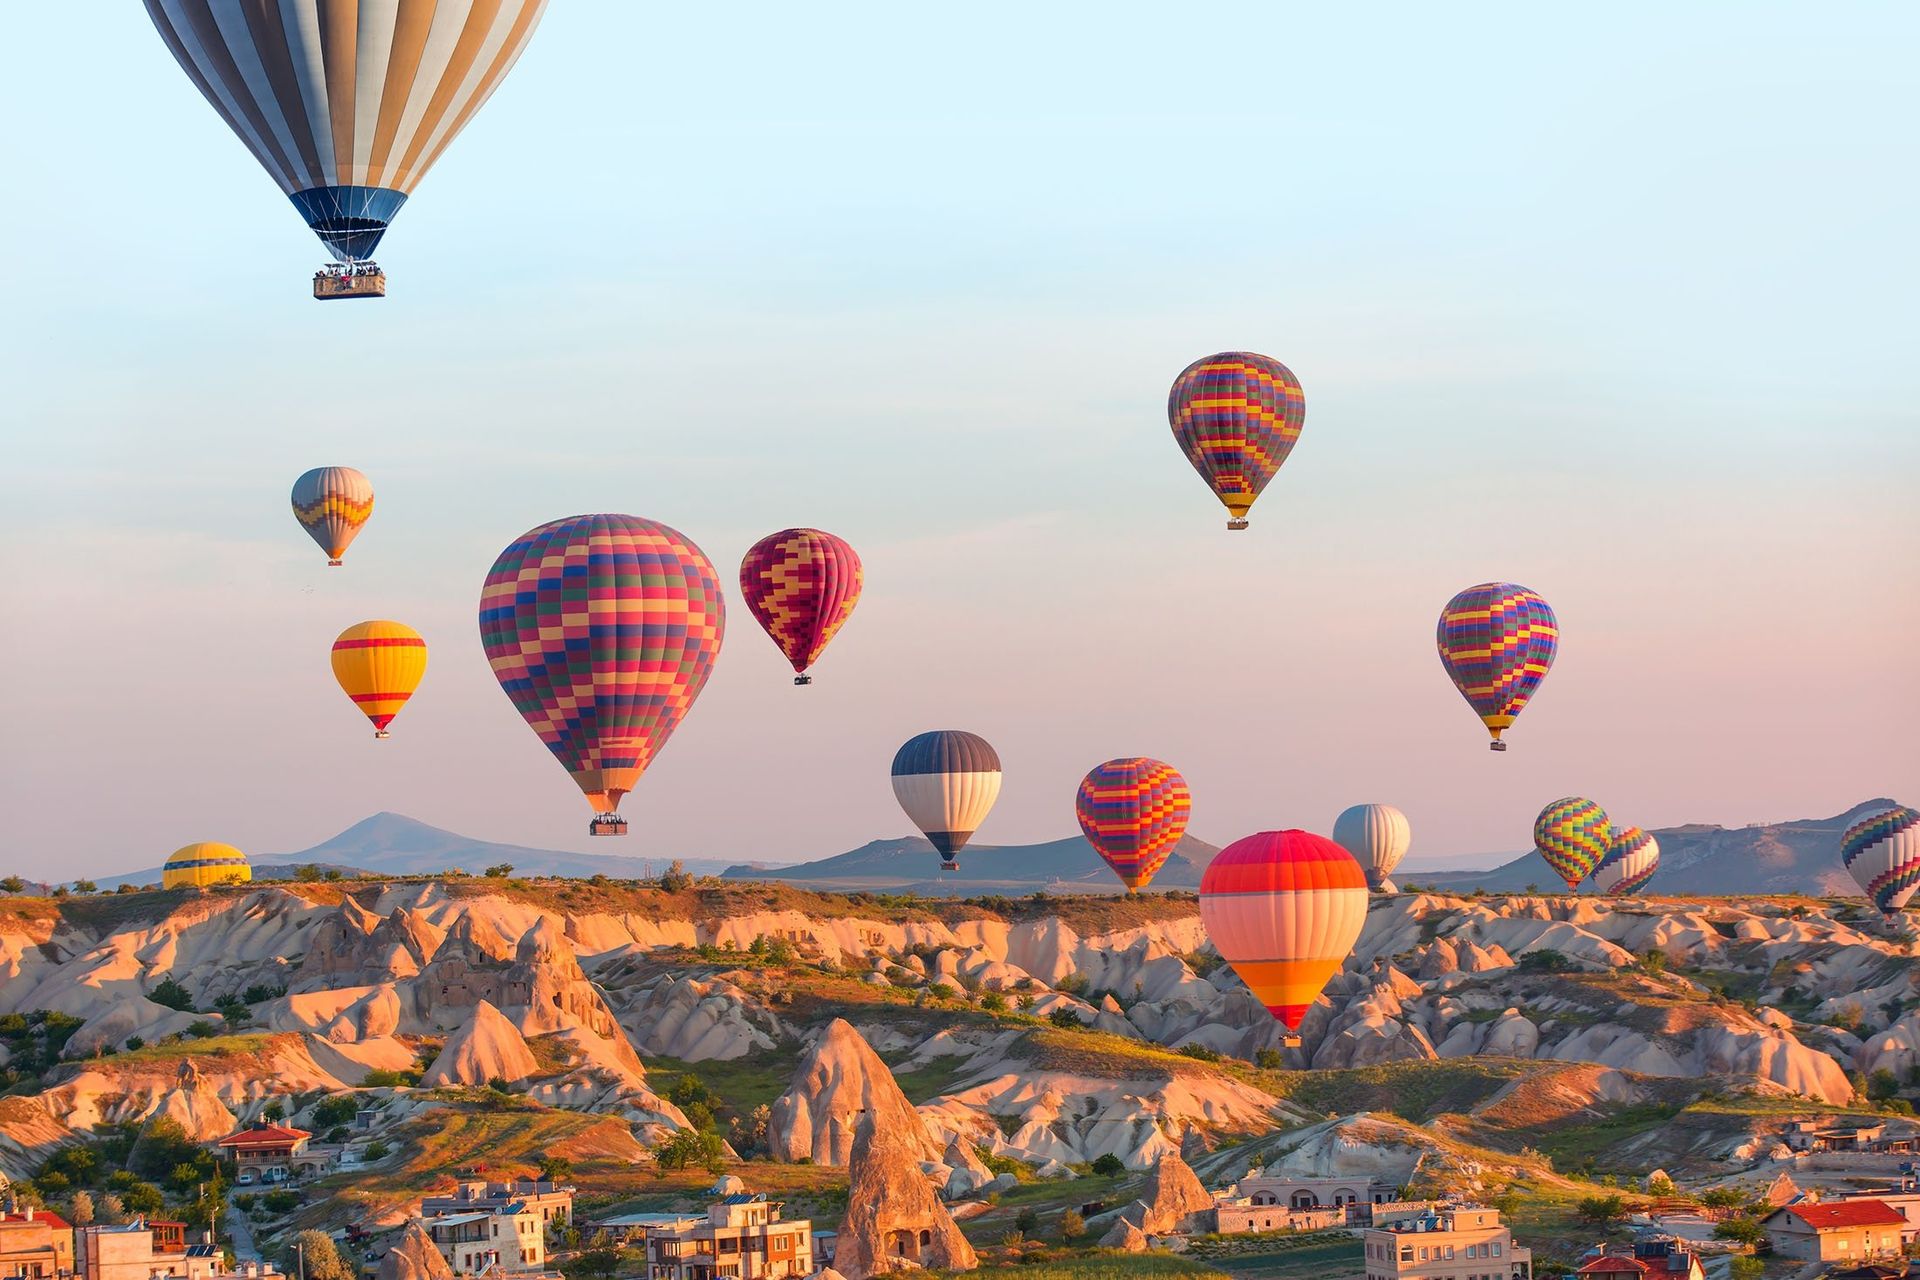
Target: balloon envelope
column 346, row 105
column 801, row 586
column 1284, row 908
column 1237, row 416
column 1378, row 836
column 1497, row 642
column 1882, row 851
column 203, row 863
column 1572, row 834
column 602, row 630
column 946, row 781
column 1133, row 811
column 379, row 664
column 332, row 504
column 1631, row 859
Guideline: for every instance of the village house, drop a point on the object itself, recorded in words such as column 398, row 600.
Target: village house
column 1447, row 1243
column 1262, row 1189
column 141, row 1251
column 1842, row 1231
column 1654, row 1258
column 266, row 1153
column 551, row 1200
column 34, row 1243
column 742, row 1238
column 509, row 1237
column 1902, row 1197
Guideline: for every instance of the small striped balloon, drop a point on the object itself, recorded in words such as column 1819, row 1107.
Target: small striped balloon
column 801, row 586
column 1882, row 850
column 379, row 664
column 1133, row 811
column 1572, row 834
column 1237, row 416
column 947, row 780
column 1284, row 908
column 1631, row 859
column 333, row 504
column 1497, row 641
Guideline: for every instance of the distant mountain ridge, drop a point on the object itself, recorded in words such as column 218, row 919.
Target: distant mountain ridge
column 395, row 845
column 1800, row 856
column 909, row 864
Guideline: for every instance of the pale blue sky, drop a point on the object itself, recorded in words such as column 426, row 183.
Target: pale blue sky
column 1618, row 306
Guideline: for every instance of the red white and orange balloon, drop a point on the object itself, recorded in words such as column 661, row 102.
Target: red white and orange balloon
column 1284, row 908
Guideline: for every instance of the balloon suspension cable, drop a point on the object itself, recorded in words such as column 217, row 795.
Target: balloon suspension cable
column 1238, row 522
column 803, row 679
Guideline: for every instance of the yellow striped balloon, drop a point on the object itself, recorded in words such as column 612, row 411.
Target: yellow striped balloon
column 379, row 665
column 204, row 863
column 332, row 504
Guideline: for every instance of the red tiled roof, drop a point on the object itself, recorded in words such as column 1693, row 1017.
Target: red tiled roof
column 1614, row 1267
column 1845, row 1213
column 264, row 1135
column 47, row 1216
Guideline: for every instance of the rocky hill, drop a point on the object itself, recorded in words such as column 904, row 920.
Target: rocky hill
column 911, row 865
column 1048, row 1032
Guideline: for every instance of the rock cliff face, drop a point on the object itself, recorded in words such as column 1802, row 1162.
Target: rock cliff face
column 893, row 1216
column 841, row 1079
column 487, row 1048
column 414, row 1257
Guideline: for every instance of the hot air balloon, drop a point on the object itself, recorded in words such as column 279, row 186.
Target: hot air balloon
column 1631, row 859
column 332, row 504
column 205, row 863
column 801, row 586
column 947, row 781
column 1572, row 835
column 1133, row 811
column 1497, row 641
column 1378, row 836
column 379, row 665
column 1284, row 908
column 1882, row 850
column 1237, row 416
column 346, row 105
column 602, row 630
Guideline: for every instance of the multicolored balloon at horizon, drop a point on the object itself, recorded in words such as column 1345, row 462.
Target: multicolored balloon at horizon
column 801, row 586
column 346, row 106
column 1133, row 811
column 333, row 504
column 1631, row 859
column 1284, row 908
column 1237, row 416
column 379, row 664
column 947, row 780
column 1497, row 642
column 1882, row 851
column 602, row 630
column 1572, row 834
column 1378, row 836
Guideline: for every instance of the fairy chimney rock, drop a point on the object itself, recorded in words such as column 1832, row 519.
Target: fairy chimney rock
column 894, row 1219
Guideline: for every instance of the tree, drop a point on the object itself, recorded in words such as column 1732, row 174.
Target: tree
column 691, row 1147
column 554, row 1168
column 1072, row 1225
column 1882, row 1085
column 1269, row 1059
column 676, row 879
column 1602, row 1211
column 993, row 1002
column 112, row 1211
column 314, row 1250
column 170, row 993
column 1027, row 1220
column 80, row 1209
column 499, row 871
column 1741, row 1228
column 144, row 1199
column 13, row 884
column 1109, row 1166
column 274, row 1112
column 1654, row 961
column 1659, row 1184
column 1065, row 1018
column 85, row 886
